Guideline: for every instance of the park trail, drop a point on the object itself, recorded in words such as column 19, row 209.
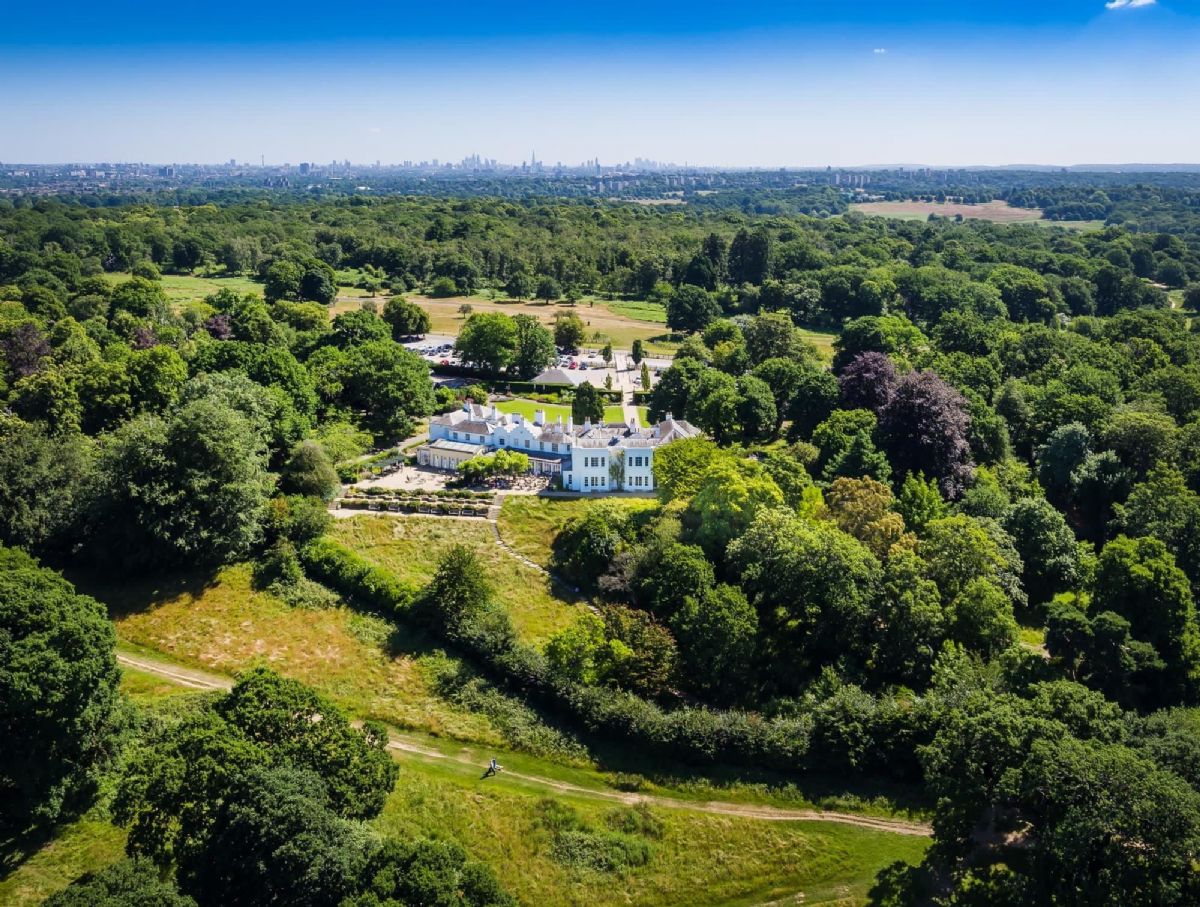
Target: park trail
column 203, row 680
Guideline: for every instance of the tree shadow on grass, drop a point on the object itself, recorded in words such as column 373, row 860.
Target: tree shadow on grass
column 835, row 792
column 410, row 642
column 126, row 595
column 15, row 849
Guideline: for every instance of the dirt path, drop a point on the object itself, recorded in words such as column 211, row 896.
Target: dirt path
column 203, row 680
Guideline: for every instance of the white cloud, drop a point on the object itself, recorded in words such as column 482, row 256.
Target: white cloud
column 1128, row 4
column 880, row 50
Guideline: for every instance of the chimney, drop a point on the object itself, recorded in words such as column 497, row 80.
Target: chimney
column 495, row 413
column 570, row 424
column 539, row 417
column 587, row 423
column 668, row 417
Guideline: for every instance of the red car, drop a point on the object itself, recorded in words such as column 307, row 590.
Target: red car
column 445, row 362
column 573, row 365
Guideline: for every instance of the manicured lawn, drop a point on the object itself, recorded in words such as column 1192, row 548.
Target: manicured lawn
column 554, row 411
column 411, row 547
column 530, row 524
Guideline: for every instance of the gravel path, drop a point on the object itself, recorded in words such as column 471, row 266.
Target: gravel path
column 204, row 680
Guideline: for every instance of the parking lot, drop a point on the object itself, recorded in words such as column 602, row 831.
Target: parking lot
column 438, row 349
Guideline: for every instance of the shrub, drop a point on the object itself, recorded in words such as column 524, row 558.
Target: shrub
column 600, row 851
column 628, row 782
column 343, row 570
column 635, row 820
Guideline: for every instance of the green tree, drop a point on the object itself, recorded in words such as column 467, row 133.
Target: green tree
column 920, row 502
column 750, row 257
column 812, row 402
column 389, row 385
column 460, row 589
column 813, row 587
column 713, row 405
column 43, row 480
column 755, row 408
column 690, row 309
column 1141, row 440
column 283, row 281
column 912, row 621
column 1138, row 580
column 186, row 491
column 716, row 633
column 548, row 289
column 731, row 494
column 638, row 351
column 645, row 377
column 317, row 284
column 309, row 472
column 587, row 404
column 59, row 702
column 1047, row 548
column 127, row 883
column 520, row 286
column 568, row 331
column 534, row 347
column 407, row 319
column 428, row 872
column 488, row 340
column 982, row 618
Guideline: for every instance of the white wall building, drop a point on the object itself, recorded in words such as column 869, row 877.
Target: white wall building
column 590, row 458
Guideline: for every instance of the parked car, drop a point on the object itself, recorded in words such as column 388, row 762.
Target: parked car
column 573, row 365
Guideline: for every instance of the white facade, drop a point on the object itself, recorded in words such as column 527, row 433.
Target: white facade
column 591, row 458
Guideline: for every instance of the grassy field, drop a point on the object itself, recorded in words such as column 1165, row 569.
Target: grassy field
column 554, row 411
column 222, row 624
column 695, row 857
column 191, row 287
column 998, row 212
column 88, row 844
column 638, row 309
column 530, row 524
column 699, row 859
column 194, row 287
column 411, row 546
column 601, row 320
column 822, row 340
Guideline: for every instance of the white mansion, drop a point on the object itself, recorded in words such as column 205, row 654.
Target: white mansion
column 589, row 457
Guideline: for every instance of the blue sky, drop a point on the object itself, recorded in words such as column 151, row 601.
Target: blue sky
column 731, row 83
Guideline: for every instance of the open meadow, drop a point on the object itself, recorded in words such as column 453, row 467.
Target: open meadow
column 997, row 212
